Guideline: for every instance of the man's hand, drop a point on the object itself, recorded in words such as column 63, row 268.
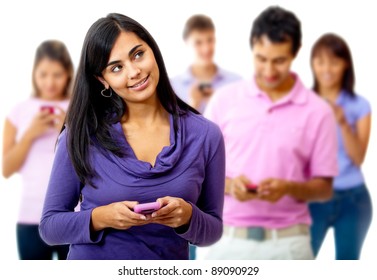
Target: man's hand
column 273, row 189
column 237, row 187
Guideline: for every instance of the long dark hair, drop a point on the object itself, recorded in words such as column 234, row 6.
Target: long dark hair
column 57, row 51
column 90, row 115
column 339, row 48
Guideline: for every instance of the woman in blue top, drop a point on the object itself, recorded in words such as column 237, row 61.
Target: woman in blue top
column 128, row 139
column 349, row 212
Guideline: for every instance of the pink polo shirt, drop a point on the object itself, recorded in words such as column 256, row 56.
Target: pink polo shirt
column 292, row 139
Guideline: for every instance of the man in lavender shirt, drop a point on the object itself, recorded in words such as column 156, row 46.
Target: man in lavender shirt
column 280, row 141
column 197, row 84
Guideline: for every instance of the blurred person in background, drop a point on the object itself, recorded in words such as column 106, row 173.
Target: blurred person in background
column 197, row 84
column 30, row 133
column 130, row 140
column 280, row 142
column 349, row 212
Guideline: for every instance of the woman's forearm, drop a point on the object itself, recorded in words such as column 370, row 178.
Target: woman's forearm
column 16, row 156
column 352, row 144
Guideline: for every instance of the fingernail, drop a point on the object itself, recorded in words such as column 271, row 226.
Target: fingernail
column 154, row 214
column 143, row 218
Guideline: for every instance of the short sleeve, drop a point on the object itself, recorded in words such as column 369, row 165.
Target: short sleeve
column 323, row 158
column 362, row 107
column 13, row 115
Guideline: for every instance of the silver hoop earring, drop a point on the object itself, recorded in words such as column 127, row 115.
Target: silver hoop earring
column 104, row 95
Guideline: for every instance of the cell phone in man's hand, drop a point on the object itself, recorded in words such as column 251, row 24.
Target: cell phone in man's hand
column 252, row 188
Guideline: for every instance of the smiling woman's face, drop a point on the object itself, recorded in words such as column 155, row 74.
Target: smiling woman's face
column 328, row 69
column 132, row 71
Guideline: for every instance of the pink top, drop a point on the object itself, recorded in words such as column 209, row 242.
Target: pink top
column 35, row 171
column 292, row 139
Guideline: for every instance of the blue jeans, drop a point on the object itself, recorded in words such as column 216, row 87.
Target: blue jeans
column 192, row 254
column 349, row 212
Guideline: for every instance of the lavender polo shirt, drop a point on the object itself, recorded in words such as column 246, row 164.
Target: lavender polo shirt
column 183, row 83
column 354, row 108
column 192, row 168
column 291, row 139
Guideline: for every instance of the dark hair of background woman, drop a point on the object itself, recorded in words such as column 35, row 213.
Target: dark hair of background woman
column 90, row 115
column 55, row 51
column 339, row 48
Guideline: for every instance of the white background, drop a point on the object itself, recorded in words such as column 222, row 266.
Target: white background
column 25, row 24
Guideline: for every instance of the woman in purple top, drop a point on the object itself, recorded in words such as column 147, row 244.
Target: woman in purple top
column 128, row 139
column 349, row 212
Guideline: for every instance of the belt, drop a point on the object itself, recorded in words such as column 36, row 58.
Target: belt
column 260, row 233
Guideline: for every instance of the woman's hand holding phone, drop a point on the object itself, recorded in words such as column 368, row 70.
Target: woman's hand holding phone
column 59, row 117
column 174, row 212
column 169, row 211
column 118, row 215
column 40, row 124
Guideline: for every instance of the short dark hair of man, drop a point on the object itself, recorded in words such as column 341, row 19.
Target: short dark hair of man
column 279, row 25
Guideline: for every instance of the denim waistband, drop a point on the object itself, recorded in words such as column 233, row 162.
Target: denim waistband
column 351, row 191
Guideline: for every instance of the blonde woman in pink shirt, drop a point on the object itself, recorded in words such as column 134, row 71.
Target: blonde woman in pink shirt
column 280, row 143
column 30, row 132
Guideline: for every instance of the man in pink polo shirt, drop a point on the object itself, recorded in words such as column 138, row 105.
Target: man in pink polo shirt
column 281, row 138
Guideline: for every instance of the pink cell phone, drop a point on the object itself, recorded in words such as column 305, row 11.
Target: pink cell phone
column 49, row 109
column 147, row 208
column 252, row 188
